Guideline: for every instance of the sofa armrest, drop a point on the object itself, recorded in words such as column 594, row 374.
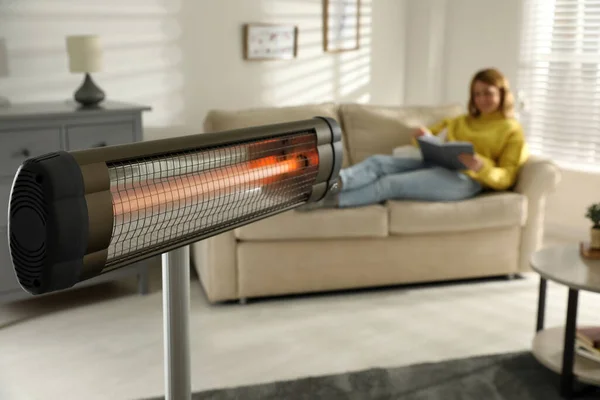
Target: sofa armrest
column 538, row 178
column 215, row 262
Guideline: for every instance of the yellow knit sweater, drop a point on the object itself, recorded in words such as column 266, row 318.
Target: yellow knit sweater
column 497, row 140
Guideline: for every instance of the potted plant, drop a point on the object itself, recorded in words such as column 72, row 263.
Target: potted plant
column 593, row 213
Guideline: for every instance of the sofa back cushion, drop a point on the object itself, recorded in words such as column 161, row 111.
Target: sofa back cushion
column 372, row 129
column 223, row 120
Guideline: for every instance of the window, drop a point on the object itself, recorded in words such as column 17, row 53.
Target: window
column 559, row 80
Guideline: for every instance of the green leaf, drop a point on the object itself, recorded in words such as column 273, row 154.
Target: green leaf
column 593, row 214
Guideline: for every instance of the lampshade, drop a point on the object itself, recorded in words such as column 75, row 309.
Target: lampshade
column 85, row 53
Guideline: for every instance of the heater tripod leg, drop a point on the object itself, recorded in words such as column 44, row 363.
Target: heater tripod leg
column 176, row 310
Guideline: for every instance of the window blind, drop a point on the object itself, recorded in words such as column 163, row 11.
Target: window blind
column 559, row 80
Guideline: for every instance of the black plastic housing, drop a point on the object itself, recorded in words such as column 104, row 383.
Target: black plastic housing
column 48, row 223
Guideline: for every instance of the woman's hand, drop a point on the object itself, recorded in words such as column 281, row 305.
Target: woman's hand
column 421, row 131
column 471, row 161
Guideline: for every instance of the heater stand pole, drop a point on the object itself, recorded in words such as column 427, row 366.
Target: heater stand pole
column 176, row 310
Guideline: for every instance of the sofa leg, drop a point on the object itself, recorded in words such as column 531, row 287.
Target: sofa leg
column 243, row 301
column 511, row 277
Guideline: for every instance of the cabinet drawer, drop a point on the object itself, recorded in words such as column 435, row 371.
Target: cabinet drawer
column 19, row 145
column 4, row 198
column 81, row 137
column 8, row 279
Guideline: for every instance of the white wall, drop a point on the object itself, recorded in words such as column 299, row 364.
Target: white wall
column 224, row 80
column 448, row 40
column 425, row 44
column 184, row 57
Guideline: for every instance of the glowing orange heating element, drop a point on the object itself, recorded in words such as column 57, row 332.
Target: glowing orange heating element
column 249, row 175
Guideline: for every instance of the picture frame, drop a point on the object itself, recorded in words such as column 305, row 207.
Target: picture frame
column 270, row 41
column 341, row 22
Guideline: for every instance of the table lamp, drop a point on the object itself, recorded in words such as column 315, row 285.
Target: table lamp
column 85, row 55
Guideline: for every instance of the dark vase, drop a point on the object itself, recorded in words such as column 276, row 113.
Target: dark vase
column 88, row 94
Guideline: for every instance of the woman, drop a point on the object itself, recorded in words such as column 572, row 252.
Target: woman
column 497, row 138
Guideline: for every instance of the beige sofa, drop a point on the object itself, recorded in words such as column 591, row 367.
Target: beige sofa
column 400, row 242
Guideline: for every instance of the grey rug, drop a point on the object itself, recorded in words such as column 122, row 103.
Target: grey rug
column 514, row 376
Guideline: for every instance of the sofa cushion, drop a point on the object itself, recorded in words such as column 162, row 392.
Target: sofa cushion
column 372, row 129
column 363, row 222
column 490, row 210
column 224, row 120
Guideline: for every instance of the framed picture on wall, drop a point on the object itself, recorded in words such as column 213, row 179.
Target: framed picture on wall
column 341, row 25
column 270, row 41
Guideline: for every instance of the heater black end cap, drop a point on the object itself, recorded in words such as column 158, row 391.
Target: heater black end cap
column 337, row 151
column 334, row 126
column 48, row 223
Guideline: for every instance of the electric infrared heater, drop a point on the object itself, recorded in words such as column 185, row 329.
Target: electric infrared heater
column 76, row 215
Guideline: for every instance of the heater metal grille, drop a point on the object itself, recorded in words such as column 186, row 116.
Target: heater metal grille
column 160, row 200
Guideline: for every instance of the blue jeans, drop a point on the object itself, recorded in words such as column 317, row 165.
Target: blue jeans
column 382, row 177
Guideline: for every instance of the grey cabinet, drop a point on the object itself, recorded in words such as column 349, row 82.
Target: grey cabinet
column 16, row 145
column 29, row 130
